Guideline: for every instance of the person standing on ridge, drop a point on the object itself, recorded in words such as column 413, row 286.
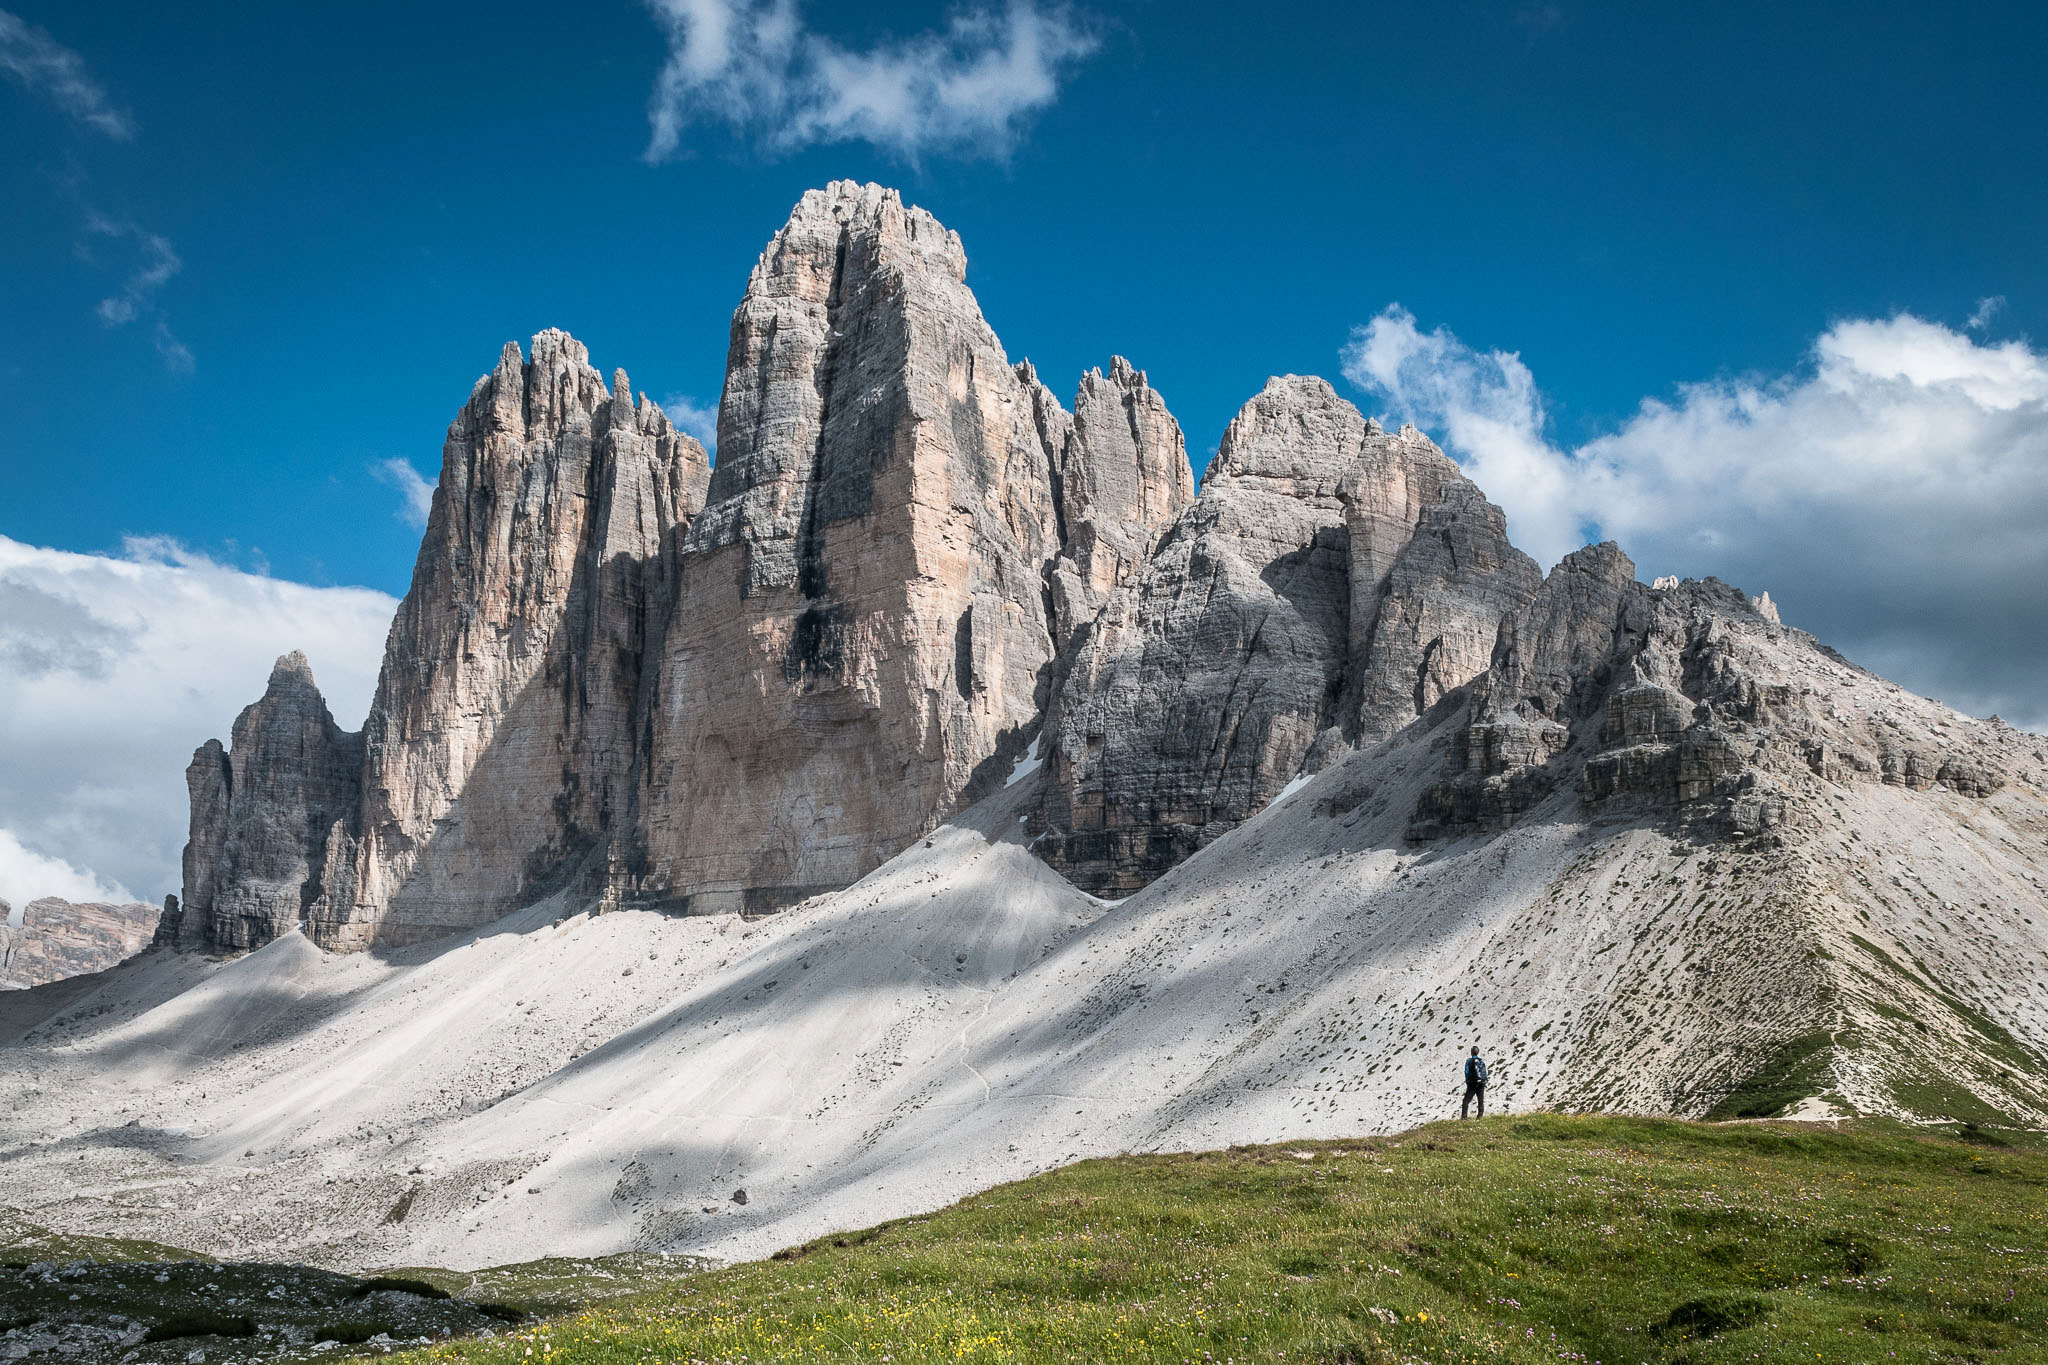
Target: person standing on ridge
column 1475, row 1085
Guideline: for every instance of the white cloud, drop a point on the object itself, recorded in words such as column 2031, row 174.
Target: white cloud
column 693, row 418
column 1892, row 495
column 1987, row 309
column 754, row 66
column 26, row 875
column 112, row 670
column 157, row 265
column 416, row 494
column 38, row 62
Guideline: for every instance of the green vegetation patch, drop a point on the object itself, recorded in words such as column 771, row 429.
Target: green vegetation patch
column 1793, row 1072
column 1540, row 1238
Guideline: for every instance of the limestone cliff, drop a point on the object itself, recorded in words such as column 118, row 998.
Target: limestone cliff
column 57, row 939
column 622, row 673
column 1330, row 584
column 263, row 813
column 498, row 751
column 1120, row 476
column 860, row 638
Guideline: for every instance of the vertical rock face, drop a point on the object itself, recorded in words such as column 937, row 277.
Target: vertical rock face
column 860, row 638
column 1330, row 583
column 1120, row 476
column 263, row 813
column 1550, row 660
column 1432, row 574
column 206, row 787
column 1206, row 679
column 619, row 670
column 500, row 754
column 499, row 748
column 59, row 938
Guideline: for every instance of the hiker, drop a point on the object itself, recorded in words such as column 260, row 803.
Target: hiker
column 1475, row 1085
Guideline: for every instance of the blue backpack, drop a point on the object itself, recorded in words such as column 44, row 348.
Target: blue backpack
column 1475, row 1071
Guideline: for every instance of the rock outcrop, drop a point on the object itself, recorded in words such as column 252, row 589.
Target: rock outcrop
column 57, row 939
column 498, row 754
column 860, row 639
column 1330, row 584
column 1432, row 574
column 1683, row 702
column 500, row 750
column 618, row 671
column 621, row 673
column 1120, row 475
column 264, row 812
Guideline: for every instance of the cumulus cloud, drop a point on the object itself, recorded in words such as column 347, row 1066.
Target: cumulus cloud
column 37, row 62
column 112, row 670
column 416, row 494
column 26, row 875
column 1891, row 494
column 754, row 66
column 696, row 419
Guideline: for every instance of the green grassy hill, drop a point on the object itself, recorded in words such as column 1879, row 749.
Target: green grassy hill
column 1600, row 1240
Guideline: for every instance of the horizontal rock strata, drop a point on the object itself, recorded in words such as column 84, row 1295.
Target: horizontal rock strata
column 1685, row 702
column 58, row 939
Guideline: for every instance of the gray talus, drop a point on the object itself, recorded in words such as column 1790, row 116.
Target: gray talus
column 1330, row 583
column 860, row 638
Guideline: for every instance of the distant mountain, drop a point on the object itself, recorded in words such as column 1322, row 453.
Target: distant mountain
column 59, row 938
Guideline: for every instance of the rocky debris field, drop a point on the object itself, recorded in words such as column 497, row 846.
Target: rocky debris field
column 581, row 1084
column 190, row 1312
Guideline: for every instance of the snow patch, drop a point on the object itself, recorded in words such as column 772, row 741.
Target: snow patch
column 1026, row 765
column 1291, row 788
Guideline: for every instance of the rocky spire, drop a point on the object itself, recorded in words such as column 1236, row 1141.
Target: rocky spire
column 1120, row 473
column 499, row 747
column 860, row 639
column 1432, row 574
column 499, row 757
column 263, row 812
column 1207, row 678
column 1330, row 584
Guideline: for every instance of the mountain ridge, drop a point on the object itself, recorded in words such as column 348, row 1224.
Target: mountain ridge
column 1329, row 784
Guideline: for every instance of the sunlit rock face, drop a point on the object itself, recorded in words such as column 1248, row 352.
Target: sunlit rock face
column 861, row 638
column 499, row 751
column 621, row 674
column 58, row 939
column 1330, row 584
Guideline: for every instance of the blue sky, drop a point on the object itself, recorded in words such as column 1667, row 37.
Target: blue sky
column 253, row 255
column 368, row 200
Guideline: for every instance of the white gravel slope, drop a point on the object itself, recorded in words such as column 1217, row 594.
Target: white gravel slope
column 562, row 1083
